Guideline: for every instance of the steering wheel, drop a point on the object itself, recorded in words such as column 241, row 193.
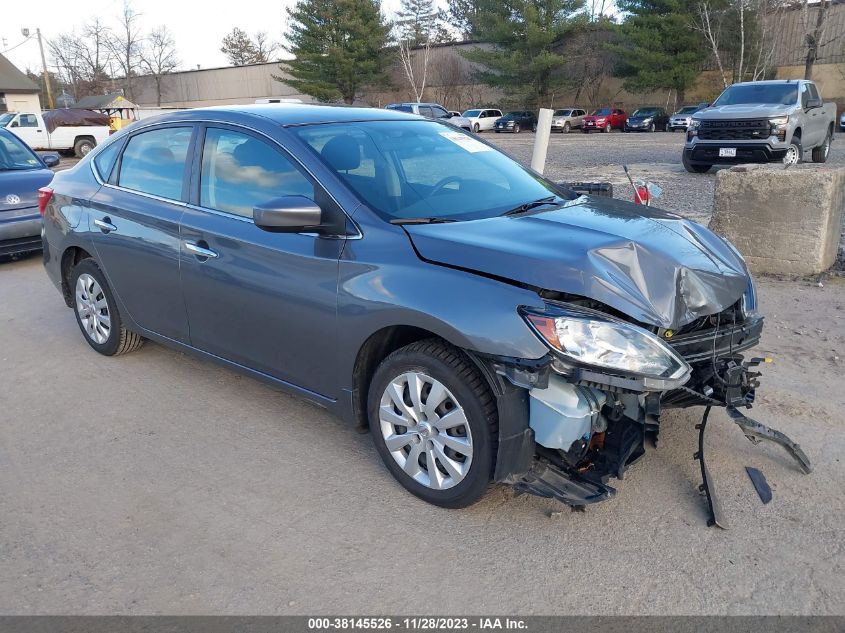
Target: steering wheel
column 442, row 183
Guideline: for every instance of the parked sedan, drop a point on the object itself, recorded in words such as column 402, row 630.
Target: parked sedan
column 482, row 120
column 681, row 119
column 432, row 111
column 22, row 174
column 567, row 119
column 516, row 122
column 604, row 120
column 410, row 278
column 648, row 119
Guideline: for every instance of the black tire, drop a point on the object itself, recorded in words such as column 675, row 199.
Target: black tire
column 821, row 152
column 459, row 375
column 82, row 146
column 533, row 127
column 585, row 131
column 652, row 128
column 476, row 128
column 694, row 168
column 566, row 128
column 608, row 128
column 516, row 128
column 120, row 340
column 496, row 131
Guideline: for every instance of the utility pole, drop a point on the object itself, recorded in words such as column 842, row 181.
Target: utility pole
column 25, row 33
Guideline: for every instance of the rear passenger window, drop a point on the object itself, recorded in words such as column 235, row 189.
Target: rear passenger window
column 104, row 161
column 240, row 171
column 154, row 162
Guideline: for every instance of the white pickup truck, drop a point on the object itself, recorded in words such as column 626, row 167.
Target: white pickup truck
column 78, row 131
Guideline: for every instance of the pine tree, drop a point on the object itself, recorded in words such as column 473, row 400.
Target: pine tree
column 339, row 47
column 660, row 49
column 420, row 21
column 238, row 47
column 526, row 60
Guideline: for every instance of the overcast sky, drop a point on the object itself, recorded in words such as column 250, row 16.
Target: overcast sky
column 197, row 27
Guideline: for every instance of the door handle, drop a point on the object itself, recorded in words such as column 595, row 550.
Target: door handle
column 200, row 251
column 105, row 225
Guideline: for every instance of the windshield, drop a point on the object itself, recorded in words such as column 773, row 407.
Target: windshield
column 563, row 112
column 645, row 112
column 688, row 110
column 471, row 113
column 424, row 169
column 5, row 118
column 15, row 155
column 781, row 94
column 602, row 112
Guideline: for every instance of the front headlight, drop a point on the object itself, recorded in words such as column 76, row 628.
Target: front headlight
column 779, row 121
column 594, row 340
column 748, row 303
column 648, row 120
column 510, row 123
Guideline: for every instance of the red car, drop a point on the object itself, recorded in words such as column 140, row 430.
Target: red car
column 604, row 120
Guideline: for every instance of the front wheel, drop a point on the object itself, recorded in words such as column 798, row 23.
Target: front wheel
column 566, row 128
column 794, row 152
column 516, row 128
column 821, row 152
column 608, row 128
column 652, row 128
column 434, row 423
column 476, row 128
column 96, row 312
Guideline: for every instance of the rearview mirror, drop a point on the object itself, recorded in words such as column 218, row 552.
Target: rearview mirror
column 51, row 160
column 290, row 214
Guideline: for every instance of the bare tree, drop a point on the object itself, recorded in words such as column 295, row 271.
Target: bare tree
column 813, row 34
column 263, row 48
column 158, row 57
column 82, row 58
column 125, row 46
column 708, row 23
column 410, row 60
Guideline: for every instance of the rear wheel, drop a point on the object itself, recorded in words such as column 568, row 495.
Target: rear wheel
column 96, row 312
column 821, row 152
column 434, row 423
column 694, row 168
column 83, row 146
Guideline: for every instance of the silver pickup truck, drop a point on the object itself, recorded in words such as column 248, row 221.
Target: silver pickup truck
column 758, row 122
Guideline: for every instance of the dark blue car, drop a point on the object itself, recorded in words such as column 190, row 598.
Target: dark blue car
column 484, row 323
column 22, row 174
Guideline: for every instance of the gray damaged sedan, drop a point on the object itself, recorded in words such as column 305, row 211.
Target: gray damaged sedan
column 485, row 324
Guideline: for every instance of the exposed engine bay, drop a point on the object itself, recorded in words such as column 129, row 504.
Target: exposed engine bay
column 589, row 425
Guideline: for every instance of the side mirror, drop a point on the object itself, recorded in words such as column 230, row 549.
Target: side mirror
column 814, row 103
column 51, row 160
column 15, row 124
column 290, row 214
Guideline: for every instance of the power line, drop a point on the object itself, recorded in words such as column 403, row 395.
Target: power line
column 16, row 45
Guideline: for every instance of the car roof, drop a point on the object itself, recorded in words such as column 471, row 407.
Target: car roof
column 287, row 114
column 771, row 81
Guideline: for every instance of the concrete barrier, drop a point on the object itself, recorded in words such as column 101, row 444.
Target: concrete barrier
column 782, row 221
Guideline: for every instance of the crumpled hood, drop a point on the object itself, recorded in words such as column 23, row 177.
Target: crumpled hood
column 652, row 265
column 743, row 111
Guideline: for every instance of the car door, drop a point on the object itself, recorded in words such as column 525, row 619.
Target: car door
column 134, row 227
column 264, row 300
column 30, row 130
column 816, row 126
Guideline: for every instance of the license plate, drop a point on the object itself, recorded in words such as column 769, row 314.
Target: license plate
column 727, row 152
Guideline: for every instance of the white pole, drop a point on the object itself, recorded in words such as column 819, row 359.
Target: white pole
column 541, row 140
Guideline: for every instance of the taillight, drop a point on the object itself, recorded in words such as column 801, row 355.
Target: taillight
column 44, row 195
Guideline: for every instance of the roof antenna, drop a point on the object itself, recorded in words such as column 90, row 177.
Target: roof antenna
column 633, row 186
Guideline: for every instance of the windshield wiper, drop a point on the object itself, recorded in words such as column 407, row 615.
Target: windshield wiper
column 401, row 221
column 531, row 205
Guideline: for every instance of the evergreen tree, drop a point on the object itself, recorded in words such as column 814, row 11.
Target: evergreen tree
column 338, row 48
column 526, row 60
column 238, row 47
column 465, row 16
column 660, row 49
column 420, row 21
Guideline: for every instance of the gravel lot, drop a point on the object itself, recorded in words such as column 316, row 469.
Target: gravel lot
column 156, row 483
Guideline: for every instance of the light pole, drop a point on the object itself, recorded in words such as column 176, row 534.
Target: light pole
column 25, row 33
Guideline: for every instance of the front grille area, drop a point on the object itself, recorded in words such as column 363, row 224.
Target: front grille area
column 752, row 130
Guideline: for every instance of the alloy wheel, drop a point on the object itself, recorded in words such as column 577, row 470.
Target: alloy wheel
column 425, row 430
column 93, row 309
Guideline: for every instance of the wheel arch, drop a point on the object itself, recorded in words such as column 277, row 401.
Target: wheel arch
column 71, row 256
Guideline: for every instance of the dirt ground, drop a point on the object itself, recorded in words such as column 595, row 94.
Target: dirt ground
column 157, row 483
